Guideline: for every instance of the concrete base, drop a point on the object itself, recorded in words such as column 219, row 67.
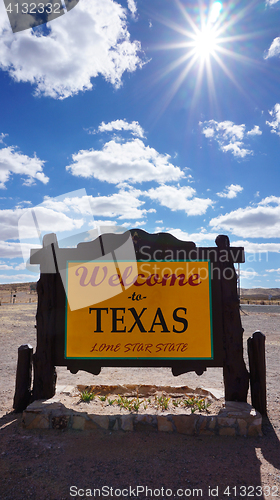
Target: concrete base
column 234, row 419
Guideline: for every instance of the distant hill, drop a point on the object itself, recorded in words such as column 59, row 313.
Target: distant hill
column 260, row 293
column 246, row 293
column 19, row 287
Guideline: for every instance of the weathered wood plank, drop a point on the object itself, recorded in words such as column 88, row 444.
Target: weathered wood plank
column 256, row 354
column 236, row 376
column 22, row 395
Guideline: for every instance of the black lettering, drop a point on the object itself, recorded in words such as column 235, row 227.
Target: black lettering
column 98, row 317
column 137, row 319
column 180, row 320
column 115, row 319
column 161, row 322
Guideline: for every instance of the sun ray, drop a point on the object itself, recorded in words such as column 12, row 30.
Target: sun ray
column 211, row 45
column 177, row 84
column 229, row 74
column 174, row 65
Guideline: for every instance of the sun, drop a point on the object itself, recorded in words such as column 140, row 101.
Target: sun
column 206, row 42
column 206, row 39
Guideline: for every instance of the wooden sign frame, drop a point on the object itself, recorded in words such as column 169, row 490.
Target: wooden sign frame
column 226, row 322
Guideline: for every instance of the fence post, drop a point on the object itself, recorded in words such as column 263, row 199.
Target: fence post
column 256, row 354
column 23, row 378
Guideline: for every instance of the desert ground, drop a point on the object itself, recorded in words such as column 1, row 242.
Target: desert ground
column 45, row 464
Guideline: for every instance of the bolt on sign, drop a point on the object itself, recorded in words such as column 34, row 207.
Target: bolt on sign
column 163, row 312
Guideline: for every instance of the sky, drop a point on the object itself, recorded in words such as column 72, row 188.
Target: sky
column 148, row 114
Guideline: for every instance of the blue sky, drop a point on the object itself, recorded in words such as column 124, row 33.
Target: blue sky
column 166, row 113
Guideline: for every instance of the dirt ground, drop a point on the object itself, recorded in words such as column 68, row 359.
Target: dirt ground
column 58, row 465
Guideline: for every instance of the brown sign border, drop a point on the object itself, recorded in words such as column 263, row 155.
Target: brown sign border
column 227, row 328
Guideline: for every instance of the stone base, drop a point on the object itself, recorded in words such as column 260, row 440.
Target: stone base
column 234, row 419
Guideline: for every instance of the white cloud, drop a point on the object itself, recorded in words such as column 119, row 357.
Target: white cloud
column 231, row 191
column 14, row 162
column 18, row 278
column 20, row 267
column 248, row 274
column 255, row 131
column 2, row 136
column 228, row 135
column 227, row 130
column 257, row 221
column 124, row 204
column 119, row 125
column 69, row 215
column 179, row 198
column 195, row 237
column 132, row 6
column 72, row 215
column 274, row 49
column 49, row 221
column 9, row 223
column 256, row 248
column 131, row 161
column 271, row 2
column 75, row 204
column 275, row 124
column 273, row 270
column 5, row 267
column 13, row 250
column 88, row 41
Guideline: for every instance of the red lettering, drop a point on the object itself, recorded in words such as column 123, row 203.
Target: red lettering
column 113, row 278
column 193, row 278
column 171, row 347
column 140, row 284
column 93, row 348
column 127, row 272
column 93, row 278
column 156, row 280
column 148, row 346
column 174, row 277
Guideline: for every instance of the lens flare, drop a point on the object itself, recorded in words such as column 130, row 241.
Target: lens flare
column 206, row 46
column 205, row 42
column 215, row 12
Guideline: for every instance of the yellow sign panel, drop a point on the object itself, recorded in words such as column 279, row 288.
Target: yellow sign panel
column 150, row 310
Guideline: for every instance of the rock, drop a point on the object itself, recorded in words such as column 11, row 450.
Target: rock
column 145, row 422
column 164, row 424
column 185, row 424
column 227, row 431
column 100, row 420
column 78, row 422
column 127, row 422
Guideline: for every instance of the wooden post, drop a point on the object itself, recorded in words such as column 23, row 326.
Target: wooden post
column 236, row 376
column 43, row 359
column 22, row 395
column 256, row 354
